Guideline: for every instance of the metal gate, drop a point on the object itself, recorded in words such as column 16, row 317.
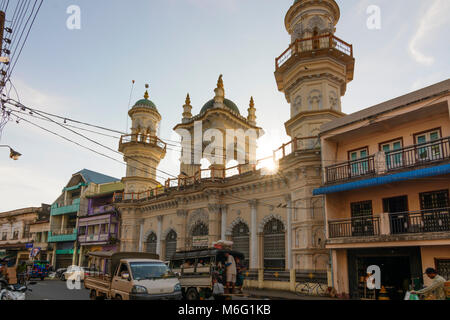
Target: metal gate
column 443, row 268
column 241, row 240
column 200, row 229
column 150, row 244
column 274, row 245
column 171, row 244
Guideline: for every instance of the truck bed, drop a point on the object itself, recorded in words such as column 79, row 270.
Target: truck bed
column 100, row 283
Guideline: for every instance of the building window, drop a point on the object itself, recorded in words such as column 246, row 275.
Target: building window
column 393, row 155
column 443, row 268
column 434, row 200
column 359, row 168
column 171, row 244
column 15, row 235
column 4, row 236
column 150, row 245
column 112, row 228
column 241, row 240
column 82, row 231
column 429, row 150
column 274, row 245
column 362, row 222
column 104, row 229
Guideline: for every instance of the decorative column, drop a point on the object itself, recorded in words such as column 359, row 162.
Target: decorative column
column 213, row 225
column 182, row 222
column 141, row 234
column 224, row 222
column 254, row 261
column 159, row 235
column 289, row 211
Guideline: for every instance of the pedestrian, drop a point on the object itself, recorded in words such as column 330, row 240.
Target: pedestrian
column 21, row 271
column 240, row 268
column 230, row 265
column 218, row 290
column 436, row 291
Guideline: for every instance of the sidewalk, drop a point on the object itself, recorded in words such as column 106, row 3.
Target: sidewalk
column 279, row 295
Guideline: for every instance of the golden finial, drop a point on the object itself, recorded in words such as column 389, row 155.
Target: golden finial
column 252, row 102
column 220, row 82
column 188, row 99
column 146, row 95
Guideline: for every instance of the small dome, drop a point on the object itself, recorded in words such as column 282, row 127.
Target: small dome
column 228, row 103
column 145, row 103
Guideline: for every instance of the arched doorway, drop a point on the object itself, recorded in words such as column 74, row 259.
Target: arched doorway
column 199, row 235
column 241, row 240
column 171, row 244
column 150, row 243
column 274, row 245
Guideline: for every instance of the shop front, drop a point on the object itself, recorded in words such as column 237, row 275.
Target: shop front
column 400, row 271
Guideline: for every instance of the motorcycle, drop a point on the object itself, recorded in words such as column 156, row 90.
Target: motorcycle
column 14, row 292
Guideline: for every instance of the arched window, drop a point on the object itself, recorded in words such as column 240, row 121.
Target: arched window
column 171, row 244
column 150, row 243
column 274, row 245
column 241, row 240
column 199, row 234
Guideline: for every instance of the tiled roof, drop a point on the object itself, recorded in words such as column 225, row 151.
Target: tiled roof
column 402, row 101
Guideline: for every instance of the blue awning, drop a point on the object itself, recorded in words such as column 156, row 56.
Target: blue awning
column 403, row 176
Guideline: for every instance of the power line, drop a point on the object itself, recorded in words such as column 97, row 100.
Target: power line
column 80, row 145
column 102, row 145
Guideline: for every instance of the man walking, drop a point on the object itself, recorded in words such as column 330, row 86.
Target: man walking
column 230, row 265
column 436, row 291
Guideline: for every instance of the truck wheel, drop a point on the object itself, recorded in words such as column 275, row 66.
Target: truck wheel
column 192, row 294
column 42, row 278
column 118, row 297
column 93, row 295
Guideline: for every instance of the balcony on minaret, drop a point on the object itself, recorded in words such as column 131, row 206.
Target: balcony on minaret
column 141, row 139
column 321, row 45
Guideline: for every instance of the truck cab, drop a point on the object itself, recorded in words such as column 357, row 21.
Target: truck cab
column 131, row 276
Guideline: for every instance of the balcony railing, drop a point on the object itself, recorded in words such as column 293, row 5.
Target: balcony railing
column 142, row 138
column 102, row 209
column 96, row 237
column 219, row 175
column 419, row 154
column 61, row 235
column 327, row 41
column 432, row 220
column 365, row 226
column 351, row 169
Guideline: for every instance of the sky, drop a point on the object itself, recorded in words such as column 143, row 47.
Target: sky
column 180, row 47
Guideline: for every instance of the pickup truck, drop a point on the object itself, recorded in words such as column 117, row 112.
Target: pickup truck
column 130, row 276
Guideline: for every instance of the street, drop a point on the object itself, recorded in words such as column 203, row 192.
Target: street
column 56, row 290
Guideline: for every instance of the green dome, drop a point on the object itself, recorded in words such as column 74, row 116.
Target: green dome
column 228, row 103
column 145, row 103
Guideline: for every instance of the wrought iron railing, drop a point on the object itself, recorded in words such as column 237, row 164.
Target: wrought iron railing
column 365, row 226
column 418, row 154
column 430, row 220
column 327, row 41
column 351, row 169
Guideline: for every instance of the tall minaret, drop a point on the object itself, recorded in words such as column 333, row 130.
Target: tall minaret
column 314, row 71
column 142, row 149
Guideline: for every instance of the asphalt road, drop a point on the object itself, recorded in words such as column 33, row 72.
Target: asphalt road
column 56, row 290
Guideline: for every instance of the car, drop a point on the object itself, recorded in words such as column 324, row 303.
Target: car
column 73, row 272
column 60, row 273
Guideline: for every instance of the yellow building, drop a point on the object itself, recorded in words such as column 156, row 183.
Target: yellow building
column 386, row 176
column 272, row 217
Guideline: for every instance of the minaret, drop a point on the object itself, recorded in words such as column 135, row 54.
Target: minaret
column 187, row 108
column 252, row 112
column 314, row 71
column 142, row 149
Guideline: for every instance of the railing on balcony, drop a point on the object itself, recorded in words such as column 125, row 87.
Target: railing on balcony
column 63, row 232
column 365, row 226
column 142, row 138
column 218, row 174
column 419, row 154
column 430, row 220
column 96, row 237
column 351, row 169
column 103, row 209
column 327, row 41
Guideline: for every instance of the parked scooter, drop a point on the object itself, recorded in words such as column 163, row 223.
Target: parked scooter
column 13, row 292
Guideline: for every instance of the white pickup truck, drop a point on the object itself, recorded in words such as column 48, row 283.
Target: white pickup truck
column 130, row 276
